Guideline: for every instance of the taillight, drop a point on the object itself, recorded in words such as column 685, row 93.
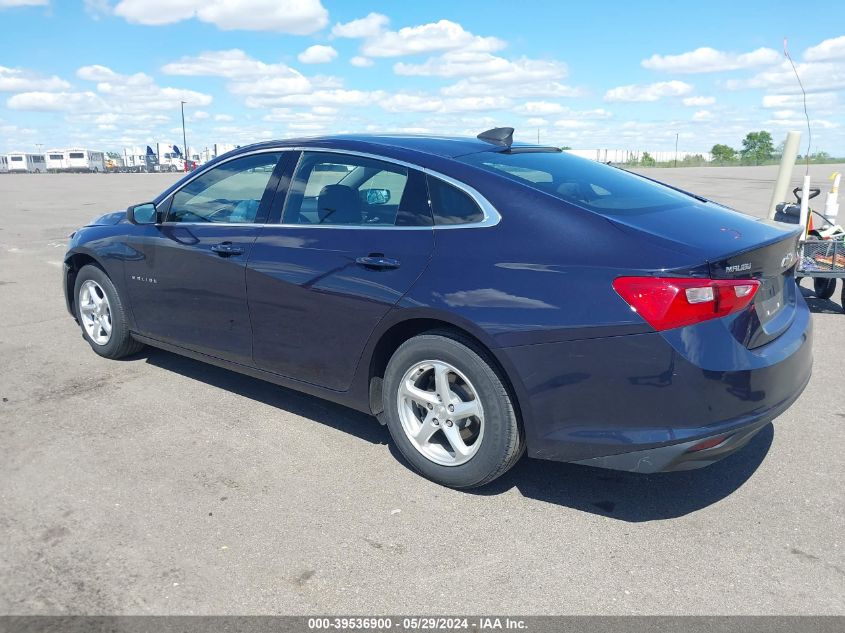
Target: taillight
column 668, row 302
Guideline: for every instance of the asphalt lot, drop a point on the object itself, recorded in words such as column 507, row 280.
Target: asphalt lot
column 161, row 485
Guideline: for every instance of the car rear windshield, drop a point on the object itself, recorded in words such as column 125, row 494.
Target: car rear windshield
column 585, row 183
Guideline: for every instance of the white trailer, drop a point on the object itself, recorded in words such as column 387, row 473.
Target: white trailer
column 25, row 163
column 56, row 160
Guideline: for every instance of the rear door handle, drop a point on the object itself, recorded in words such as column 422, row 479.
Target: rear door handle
column 227, row 249
column 376, row 260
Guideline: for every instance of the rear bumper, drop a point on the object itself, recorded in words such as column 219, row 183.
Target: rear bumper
column 687, row 455
column 641, row 402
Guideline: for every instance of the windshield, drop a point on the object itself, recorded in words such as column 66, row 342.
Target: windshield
column 594, row 186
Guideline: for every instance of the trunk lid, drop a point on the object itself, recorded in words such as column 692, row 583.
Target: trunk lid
column 732, row 245
column 773, row 265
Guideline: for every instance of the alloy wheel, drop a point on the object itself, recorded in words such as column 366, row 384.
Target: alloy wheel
column 441, row 413
column 95, row 312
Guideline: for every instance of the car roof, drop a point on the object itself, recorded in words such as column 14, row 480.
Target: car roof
column 444, row 146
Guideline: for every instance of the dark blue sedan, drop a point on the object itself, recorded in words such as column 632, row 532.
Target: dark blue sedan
column 479, row 297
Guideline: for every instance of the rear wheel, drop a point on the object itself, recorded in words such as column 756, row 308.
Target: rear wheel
column 101, row 314
column 449, row 411
column 824, row 288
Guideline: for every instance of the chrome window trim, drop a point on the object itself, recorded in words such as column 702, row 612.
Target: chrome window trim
column 491, row 215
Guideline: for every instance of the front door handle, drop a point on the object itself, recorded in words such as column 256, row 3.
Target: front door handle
column 227, row 249
column 377, row 260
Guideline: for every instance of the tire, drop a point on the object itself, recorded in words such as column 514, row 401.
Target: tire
column 494, row 438
column 824, row 288
column 95, row 283
column 842, row 297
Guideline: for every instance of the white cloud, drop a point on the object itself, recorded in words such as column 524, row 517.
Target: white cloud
column 703, row 115
column 648, row 92
column 547, row 89
column 223, row 117
column 21, row 80
column 539, row 107
column 317, row 54
column 250, row 76
column 138, row 92
column 55, row 101
column 298, row 17
column 444, row 35
column 492, row 67
column 536, row 121
column 698, row 101
column 331, row 98
column 231, row 64
column 816, row 77
column 818, row 101
column 833, row 48
column 199, row 115
column 801, row 123
column 369, row 26
column 361, row 62
column 5, row 4
column 709, row 60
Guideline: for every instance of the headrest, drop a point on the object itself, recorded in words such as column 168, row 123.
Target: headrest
column 339, row 204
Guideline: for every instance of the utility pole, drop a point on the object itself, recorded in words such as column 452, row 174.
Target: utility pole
column 38, row 147
column 676, row 149
column 184, row 138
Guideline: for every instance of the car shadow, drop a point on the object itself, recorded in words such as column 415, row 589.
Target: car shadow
column 616, row 495
column 336, row 416
column 818, row 305
column 634, row 497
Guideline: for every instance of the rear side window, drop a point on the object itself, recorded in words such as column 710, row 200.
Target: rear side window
column 600, row 188
column 450, row 205
column 56, row 157
column 77, row 155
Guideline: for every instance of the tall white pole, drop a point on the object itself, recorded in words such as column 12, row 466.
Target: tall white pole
column 805, row 204
column 787, row 164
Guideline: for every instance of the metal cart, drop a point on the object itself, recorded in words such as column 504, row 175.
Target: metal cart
column 824, row 261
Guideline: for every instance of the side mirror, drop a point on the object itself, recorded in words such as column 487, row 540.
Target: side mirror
column 145, row 213
column 375, row 196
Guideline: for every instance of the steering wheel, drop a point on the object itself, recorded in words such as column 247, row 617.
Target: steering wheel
column 813, row 193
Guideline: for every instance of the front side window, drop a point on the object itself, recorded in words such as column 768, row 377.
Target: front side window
column 56, row 157
column 228, row 193
column 342, row 189
column 77, row 155
column 17, row 159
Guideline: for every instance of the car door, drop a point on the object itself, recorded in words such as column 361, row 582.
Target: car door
column 187, row 281
column 356, row 233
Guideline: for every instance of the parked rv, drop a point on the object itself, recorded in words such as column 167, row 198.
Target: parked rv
column 22, row 162
column 56, row 160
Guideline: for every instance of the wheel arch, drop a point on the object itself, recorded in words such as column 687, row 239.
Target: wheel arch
column 73, row 264
column 392, row 337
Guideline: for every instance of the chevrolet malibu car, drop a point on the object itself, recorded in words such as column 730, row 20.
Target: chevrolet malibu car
column 479, row 297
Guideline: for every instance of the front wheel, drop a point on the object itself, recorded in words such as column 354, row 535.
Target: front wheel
column 449, row 411
column 824, row 288
column 101, row 314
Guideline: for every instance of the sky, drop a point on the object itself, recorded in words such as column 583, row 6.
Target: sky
column 106, row 74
